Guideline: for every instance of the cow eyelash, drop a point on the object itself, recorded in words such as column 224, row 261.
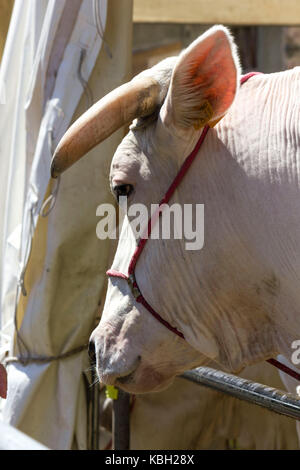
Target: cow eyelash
column 122, row 190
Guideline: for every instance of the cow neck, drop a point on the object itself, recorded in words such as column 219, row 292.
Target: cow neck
column 130, row 277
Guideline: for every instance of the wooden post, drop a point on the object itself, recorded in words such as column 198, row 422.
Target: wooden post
column 121, row 421
column 230, row 12
column 93, row 410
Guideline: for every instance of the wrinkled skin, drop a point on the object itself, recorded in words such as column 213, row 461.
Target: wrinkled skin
column 237, row 300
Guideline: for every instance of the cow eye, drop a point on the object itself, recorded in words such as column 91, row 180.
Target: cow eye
column 122, row 190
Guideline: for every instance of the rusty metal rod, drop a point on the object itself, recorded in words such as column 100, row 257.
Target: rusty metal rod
column 275, row 400
column 121, row 421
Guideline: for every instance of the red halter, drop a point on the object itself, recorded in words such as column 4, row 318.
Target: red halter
column 130, row 277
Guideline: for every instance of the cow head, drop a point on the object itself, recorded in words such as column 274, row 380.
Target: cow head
column 172, row 101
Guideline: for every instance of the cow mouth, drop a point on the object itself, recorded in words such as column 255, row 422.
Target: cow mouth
column 143, row 380
column 126, row 379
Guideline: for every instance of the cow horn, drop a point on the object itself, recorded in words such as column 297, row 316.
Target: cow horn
column 137, row 98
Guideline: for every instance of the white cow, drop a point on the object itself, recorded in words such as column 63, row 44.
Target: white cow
column 237, row 300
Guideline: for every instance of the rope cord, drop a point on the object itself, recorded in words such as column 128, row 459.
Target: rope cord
column 43, row 359
column 86, row 88
column 99, row 27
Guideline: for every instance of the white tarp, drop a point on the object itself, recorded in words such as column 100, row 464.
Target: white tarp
column 12, row 439
column 53, row 48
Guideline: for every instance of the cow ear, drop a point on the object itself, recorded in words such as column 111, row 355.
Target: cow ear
column 204, row 82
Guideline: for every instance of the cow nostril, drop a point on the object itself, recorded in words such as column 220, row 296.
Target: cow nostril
column 92, row 351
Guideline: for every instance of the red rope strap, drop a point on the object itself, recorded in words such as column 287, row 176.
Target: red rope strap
column 144, row 302
column 284, row 368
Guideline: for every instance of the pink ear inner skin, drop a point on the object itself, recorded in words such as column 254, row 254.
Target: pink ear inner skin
column 210, row 69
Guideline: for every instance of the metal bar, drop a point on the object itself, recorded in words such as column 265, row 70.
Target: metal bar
column 275, row 400
column 121, row 421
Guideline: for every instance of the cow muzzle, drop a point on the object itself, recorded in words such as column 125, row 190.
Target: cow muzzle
column 112, row 365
